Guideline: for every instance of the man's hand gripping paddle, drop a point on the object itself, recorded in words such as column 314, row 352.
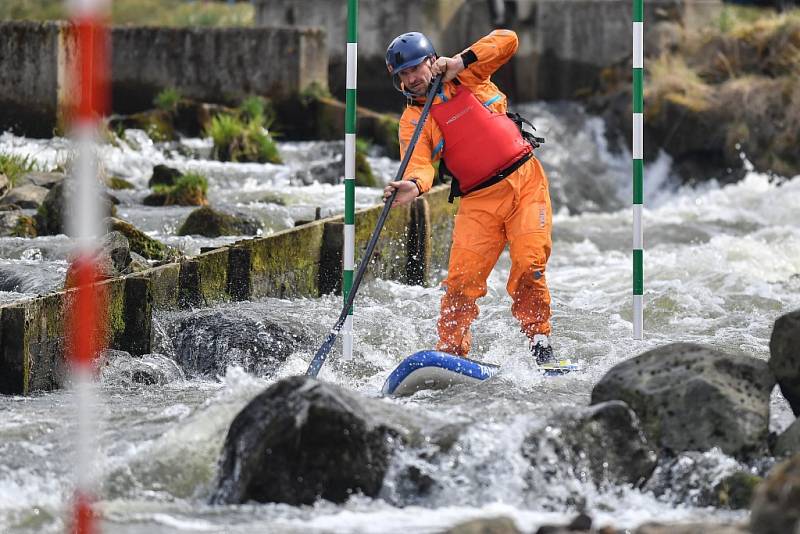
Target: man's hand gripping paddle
column 322, row 353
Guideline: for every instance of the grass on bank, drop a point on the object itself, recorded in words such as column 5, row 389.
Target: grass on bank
column 141, row 12
column 189, row 190
column 243, row 135
column 14, row 166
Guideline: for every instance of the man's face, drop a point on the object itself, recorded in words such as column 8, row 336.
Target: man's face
column 417, row 79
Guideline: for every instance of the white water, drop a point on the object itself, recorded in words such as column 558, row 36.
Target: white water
column 721, row 264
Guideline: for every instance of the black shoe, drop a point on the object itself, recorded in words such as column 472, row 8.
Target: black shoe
column 542, row 351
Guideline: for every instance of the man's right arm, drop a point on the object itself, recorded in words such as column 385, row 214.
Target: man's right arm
column 420, row 166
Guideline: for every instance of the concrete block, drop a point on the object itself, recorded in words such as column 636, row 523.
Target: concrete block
column 165, row 284
column 286, row 264
column 238, row 281
column 442, row 219
column 203, row 280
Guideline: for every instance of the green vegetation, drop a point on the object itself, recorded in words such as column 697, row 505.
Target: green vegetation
column 735, row 82
column 142, row 12
column 117, row 183
column 189, row 190
column 14, row 166
column 243, row 135
column 168, row 100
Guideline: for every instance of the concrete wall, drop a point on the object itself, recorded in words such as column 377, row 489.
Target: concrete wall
column 563, row 43
column 302, row 262
column 33, row 81
column 214, row 65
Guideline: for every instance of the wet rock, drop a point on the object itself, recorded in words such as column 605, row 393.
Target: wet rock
column 141, row 243
column 48, row 180
column 705, row 479
column 26, row 196
column 690, row 397
column 57, row 207
column 112, row 259
column 150, row 369
column 208, row 222
column 776, row 506
column 788, row 442
column 207, row 342
column 163, row 175
column 736, row 491
column 784, row 357
column 492, row 525
column 14, row 223
column 301, row 440
column 581, row 523
column 603, row 443
column 691, row 528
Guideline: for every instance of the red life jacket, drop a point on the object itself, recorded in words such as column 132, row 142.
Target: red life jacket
column 478, row 144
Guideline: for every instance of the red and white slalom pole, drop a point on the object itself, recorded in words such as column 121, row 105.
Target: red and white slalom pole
column 85, row 314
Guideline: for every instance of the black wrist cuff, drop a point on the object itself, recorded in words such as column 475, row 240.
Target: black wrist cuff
column 468, row 58
column 419, row 188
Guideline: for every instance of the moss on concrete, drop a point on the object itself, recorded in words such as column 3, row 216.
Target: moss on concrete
column 391, row 253
column 442, row 220
column 286, row 264
column 117, row 183
column 213, row 270
column 165, row 280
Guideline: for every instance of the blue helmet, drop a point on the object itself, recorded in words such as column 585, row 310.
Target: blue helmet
column 407, row 50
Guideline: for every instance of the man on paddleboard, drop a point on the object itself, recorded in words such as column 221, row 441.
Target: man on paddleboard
column 504, row 190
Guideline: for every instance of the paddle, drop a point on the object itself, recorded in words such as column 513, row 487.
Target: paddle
column 322, row 353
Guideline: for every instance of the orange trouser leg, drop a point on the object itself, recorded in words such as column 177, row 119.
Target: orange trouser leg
column 478, row 240
column 529, row 229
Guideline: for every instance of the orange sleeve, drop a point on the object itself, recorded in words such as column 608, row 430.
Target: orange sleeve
column 420, row 166
column 490, row 53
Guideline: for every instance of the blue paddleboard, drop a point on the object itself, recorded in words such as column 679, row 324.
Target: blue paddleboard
column 431, row 369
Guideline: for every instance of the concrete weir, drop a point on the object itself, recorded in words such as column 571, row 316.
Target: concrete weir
column 206, row 64
column 301, row 262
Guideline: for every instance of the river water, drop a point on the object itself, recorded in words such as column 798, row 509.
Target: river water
column 721, row 264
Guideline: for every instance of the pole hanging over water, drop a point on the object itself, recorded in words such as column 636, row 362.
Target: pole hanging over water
column 638, row 167
column 350, row 172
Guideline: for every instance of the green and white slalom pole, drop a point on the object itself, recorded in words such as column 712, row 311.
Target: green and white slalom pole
column 638, row 167
column 350, row 172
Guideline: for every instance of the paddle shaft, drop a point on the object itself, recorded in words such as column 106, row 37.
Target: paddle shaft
column 322, row 353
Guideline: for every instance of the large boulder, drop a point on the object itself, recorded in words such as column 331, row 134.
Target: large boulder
column 141, row 243
column 604, row 441
column 208, row 341
column 57, row 207
column 163, row 175
column 48, row 180
column 301, row 440
column 27, row 196
column 212, row 223
column 776, row 506
column 784, row 357
column 690, row 397
column 788, row 443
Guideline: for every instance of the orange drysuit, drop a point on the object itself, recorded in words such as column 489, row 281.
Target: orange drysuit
column 515, row 210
